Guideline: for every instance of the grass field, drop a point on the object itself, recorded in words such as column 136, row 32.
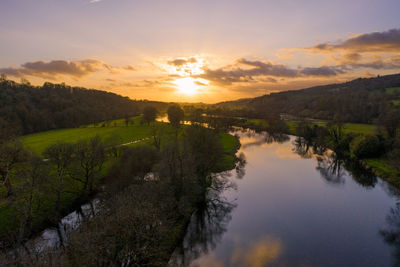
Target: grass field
column 392, row 90
column 348, row 127
column 383, row 169
column 38, row 142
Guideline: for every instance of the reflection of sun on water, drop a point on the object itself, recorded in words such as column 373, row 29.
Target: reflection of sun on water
column 189, row 86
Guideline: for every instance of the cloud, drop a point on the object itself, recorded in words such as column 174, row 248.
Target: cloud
column 322, row 71
column 181, row 62
column 94, row 1
column 251, row 71
column 54, row 68
column 386, row 41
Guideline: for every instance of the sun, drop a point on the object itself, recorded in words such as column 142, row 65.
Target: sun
column 189, row 85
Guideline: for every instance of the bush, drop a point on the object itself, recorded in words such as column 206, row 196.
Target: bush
column 366, row 146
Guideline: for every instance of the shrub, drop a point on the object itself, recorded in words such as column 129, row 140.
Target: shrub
column 366, row 146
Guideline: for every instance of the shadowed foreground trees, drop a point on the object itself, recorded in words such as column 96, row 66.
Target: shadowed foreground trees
column 11, row 153
column 60, row 155
column 149, row 198
column 131, row 231
column 89, row 159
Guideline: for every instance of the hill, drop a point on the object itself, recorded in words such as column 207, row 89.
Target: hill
column 361, row 100
column 26, row 109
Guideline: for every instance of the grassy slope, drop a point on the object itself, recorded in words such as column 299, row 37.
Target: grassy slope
column 392, row 90
column 38, row 142
column 348, row 127
column 381, row 168
column 230, row 145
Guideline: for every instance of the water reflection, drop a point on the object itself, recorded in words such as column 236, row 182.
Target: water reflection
column 207, row 224
column 331, row 169
column 307, row 149
column 283, row 215
column 261, row 253
column 240, row 166
column 255, row 138
column 56, row 237
column 391, row 235
column 362, row 176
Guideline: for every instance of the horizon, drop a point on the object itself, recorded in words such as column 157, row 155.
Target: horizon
column 198, row 52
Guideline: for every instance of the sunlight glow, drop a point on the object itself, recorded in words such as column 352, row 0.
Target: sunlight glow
column 189, row 86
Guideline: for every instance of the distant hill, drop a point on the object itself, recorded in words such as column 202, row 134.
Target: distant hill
column 27, row 109
column 360, row 100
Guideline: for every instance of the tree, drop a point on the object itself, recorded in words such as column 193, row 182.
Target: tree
column 60, row 155
column 114, row 142
column 149, row 114
column 35, row 173
column 175, row 115
column 11, row 153
column 157, row 132
column 90, row 156
column 204, row 151
column 197, row 115
column 127, row 120
column 366, row 146
column 391, row 123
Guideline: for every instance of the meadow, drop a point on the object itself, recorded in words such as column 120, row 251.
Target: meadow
column 135, row 131
column 357, row 128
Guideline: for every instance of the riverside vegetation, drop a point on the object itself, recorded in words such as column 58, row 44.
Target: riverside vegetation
column 141, row 218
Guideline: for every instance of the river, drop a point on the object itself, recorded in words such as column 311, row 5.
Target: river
column 291, row 207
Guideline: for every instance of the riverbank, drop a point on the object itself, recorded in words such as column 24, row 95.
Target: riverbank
column 282, row 199
column 379, row 166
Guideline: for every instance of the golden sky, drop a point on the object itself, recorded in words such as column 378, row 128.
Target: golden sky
column 198, row 51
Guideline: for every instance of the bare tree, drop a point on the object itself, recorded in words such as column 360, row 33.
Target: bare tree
column 60, row 155
column 11, row 153
column 90, row 156
column 35, row 174
column 157, row 132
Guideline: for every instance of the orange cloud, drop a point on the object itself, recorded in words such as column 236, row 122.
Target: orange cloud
column 54, row 68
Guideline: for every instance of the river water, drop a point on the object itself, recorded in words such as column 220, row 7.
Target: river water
column 291, row 207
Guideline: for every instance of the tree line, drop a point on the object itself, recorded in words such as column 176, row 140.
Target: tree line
column 363, row 100
column 25, row 108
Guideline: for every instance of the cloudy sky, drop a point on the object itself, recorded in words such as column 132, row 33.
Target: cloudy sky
column 203, row 50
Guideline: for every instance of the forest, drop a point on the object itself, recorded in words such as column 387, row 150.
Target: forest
column 364, row 100
column 25, row 108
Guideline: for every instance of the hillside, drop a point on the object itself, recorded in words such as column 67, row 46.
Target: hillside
column 26, row 109
column 362, row 100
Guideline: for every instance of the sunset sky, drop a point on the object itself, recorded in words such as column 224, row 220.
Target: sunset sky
column 204, row 50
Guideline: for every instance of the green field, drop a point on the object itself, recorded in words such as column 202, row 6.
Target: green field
column 358, row 128
column 38, row 142
column 392, row 90
column 383, row 169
